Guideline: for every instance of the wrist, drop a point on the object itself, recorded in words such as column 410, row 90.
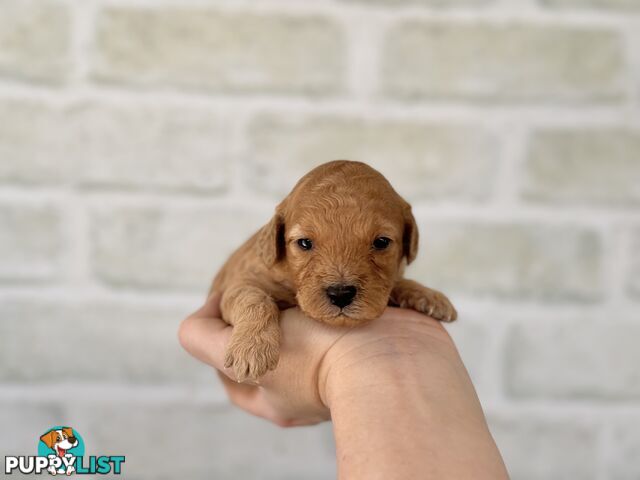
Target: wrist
column 402, row 404
column 391, row 364
column 401, row 350
column 379, row 401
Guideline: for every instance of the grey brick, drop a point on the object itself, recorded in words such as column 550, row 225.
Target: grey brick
column 94, row 342
column 169, row 147
column 502, row 62
column 623, row 459
column 633, row 281
column 621, row 5
column 424, row 160
column 546, row 447
column 471, row 339
column 206, row 49
column 34, row 144
column 31, row 241
column 584, row 166
column 576, row 359
column 35, row 40
column 426, row 3
column 98, row 144
column 511, row 260
column 177, row 247
column 26, row 420
column 191, row 441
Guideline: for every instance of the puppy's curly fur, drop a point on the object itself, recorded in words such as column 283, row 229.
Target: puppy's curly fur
column 322, row 251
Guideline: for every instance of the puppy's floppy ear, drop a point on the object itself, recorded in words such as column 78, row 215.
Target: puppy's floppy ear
column 410, row 235
column 68, row 431
column 271, row 240
column 49, row 438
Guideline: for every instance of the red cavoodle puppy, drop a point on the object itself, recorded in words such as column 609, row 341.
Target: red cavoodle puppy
column 336, row 247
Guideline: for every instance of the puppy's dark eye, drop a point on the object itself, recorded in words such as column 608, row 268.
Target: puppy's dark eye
column 381, row 243
column 305, row 244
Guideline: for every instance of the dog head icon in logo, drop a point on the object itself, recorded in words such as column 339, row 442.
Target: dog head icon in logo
column 62, row 443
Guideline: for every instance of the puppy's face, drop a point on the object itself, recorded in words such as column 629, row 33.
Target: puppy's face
column 343, row 248
column 345, row 265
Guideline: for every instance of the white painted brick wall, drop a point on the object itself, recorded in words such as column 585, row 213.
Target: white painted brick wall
column 141, row 141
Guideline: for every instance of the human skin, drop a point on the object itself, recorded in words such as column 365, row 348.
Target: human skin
column 396, row 390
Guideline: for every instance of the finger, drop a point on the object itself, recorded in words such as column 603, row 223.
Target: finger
column 253, row 399
column 249, row 398
column 205, row 337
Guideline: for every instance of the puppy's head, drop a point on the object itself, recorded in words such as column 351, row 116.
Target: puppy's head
column 343, row 235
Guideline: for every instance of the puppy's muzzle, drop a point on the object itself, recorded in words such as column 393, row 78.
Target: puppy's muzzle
column 341, row 295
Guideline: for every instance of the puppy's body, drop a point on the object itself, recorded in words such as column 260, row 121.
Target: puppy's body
column 336, row 246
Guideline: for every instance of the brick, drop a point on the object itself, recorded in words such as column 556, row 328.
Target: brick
column 623, row 459
column 574, row 359
column 510, row 62
column 214, row 442
column 206, row 49
column 177, row 247
column 98, row 144
column 471, row 340
column 34, row 142
column 545, row 447
column 622, row 5
column 633, row 281
column 426, row 3
column 423, row 160
column 31, row 241
column 35, row 40
column 26, row 420
column 584, row 166
column 170, row 147
column 102, row 341
column 510, row 260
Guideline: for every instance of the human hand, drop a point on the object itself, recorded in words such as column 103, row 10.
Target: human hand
column 396, row 390
column 296, row 393
column 288, row 396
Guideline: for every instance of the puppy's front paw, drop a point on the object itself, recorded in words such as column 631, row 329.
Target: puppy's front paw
column 425, row 300
column 251, row 356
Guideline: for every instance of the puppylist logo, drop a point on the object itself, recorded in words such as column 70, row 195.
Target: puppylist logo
column 61, row 452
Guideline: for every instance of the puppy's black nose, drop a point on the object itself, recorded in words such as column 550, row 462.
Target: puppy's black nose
column 341, row 295
column 72, row 439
